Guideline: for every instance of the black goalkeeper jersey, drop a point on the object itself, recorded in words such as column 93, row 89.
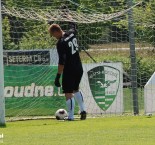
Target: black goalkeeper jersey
column 67, row 48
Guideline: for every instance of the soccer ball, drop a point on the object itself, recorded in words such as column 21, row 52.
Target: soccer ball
column 60, row 114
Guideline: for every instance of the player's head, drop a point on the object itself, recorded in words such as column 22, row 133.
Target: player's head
column 55, row 31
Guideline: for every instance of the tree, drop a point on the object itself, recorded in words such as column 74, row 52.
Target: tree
column 7, row 40
column 144, row 20
column 33, row 34
column 37, row 38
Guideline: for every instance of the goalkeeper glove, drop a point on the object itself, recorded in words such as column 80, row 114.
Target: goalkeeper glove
column 57, row 80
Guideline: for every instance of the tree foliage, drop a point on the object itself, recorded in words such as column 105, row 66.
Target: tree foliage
column 25, row 34
column 143, row 20
column 37, row 38
column 7, row 40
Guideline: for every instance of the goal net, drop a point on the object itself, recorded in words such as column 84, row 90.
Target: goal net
column 30, row 57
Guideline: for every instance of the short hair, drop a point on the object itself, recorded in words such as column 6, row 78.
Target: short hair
column 54, row 28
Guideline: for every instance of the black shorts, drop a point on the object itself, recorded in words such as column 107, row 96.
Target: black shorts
column 71, row 81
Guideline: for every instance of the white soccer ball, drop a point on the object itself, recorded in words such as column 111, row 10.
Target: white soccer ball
column 60, row 114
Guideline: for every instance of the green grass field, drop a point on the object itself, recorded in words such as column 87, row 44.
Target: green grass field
column 125, row 130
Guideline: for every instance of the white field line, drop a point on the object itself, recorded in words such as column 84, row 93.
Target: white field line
column 123, row 49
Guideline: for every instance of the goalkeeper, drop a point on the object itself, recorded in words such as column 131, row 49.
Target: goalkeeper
column 69, row 66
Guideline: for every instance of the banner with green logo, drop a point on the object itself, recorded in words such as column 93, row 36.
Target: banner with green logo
column 102, row 85
column 30, row 91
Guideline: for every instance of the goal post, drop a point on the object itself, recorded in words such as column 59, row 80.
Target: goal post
column 133, row 59
column 2, row 100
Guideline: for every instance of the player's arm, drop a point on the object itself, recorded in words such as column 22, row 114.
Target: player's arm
column 57, row 78
column 62, row 58
column 60, row 68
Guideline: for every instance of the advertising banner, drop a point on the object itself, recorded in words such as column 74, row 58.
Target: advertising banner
column 149, row 95
column 30, row 90
column 102, row 86
column 27, row 57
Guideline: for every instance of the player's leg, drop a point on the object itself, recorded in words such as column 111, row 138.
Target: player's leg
column 68, row 90
column 70, row 102
column 79, row 97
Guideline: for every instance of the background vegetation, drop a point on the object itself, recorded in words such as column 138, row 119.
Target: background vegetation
column 24, row 34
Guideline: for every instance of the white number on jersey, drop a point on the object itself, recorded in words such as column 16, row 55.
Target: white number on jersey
column 73, row 44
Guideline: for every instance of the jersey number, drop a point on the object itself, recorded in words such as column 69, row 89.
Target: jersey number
column 73, row 44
